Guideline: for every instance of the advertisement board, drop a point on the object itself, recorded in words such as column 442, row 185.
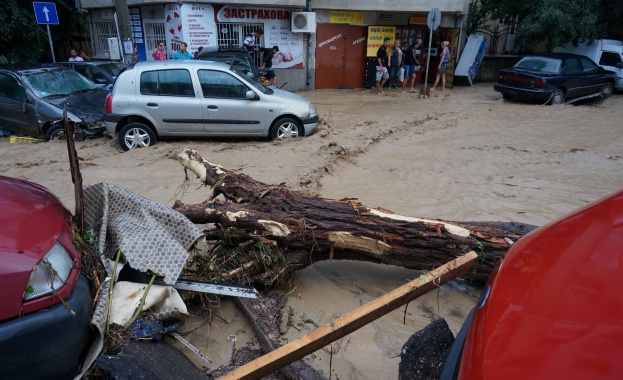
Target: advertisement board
column 376, row 35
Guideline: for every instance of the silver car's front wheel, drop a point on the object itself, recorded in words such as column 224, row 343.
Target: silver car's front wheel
column 136, row 135
column 286, row 127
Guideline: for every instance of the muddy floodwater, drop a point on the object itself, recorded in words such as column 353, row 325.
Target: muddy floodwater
column 464, row 155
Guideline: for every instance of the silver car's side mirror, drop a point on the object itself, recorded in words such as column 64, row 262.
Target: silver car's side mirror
column 251, row 95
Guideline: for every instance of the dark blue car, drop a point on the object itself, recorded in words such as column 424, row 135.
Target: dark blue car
column 555, row 78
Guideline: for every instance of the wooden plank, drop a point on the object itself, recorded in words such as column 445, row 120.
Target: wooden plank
column 352, row 321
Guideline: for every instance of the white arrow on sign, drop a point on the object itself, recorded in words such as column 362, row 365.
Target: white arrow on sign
column 46, row 11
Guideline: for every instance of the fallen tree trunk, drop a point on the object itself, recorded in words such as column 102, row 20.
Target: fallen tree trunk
column 310, row 228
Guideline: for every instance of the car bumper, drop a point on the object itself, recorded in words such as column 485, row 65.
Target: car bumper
column 111, row 120
column 534, row 93
column 310, row 124
column 48, row 344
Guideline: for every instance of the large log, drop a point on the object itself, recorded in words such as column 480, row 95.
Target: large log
column 310, row 228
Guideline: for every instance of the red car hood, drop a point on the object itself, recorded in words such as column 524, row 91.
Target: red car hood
column 555, row 310
column 31, row 220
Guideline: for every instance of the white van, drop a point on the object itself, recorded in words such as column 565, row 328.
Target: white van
column 606, row 53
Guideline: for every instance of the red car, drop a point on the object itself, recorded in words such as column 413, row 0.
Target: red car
column 553, row 308
column 46, row 303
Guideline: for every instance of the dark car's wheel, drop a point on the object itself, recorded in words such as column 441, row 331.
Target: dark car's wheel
column 558, row 97
column 136, row 135
column 55, row 132
column 507, row 97
column 606, row 91
column 286, row 127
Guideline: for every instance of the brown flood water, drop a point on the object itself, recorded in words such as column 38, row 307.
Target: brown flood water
column 462, row 155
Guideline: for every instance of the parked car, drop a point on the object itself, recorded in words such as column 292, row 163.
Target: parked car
column 157, row 99
column 46, row 302
column 32, row 98
column 552, row 309
column 103, row 74
column 607, row 53
column 239, row 59
column 554, row 78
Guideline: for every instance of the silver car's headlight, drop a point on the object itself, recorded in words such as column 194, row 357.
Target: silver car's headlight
column 312, row 109
column 50, row 273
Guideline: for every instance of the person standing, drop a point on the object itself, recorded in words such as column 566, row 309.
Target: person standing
column 183, row 54
column 270, row 76
column 74, row 56
column 444, row 61
column 249, row 40
column 158, row 53
column 394, row 64
column 381, row 66
column 412, row 66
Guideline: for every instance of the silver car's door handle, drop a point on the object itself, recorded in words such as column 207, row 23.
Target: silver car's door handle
column 152, row 104
column 212, row 107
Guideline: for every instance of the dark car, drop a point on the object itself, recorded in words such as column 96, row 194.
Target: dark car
column 103, row 74
column 242, row 61
column 46, row 303
column 552, row 309
column 32, row 98
column 555, row 78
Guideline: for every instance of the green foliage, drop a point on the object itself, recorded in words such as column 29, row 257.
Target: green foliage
column 23, row 40
column 553, row 22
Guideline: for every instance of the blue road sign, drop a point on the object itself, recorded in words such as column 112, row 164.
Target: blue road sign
column 45, row 13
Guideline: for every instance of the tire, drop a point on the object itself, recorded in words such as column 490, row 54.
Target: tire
column 507, row 97
column 55, row 132
column 606, row 90
column 286, row 127
column 558, row 97
column 136, row 135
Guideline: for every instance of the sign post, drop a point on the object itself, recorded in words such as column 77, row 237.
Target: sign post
column 45, row 13
column 433, row 21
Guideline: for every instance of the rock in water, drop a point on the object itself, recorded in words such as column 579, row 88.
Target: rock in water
column 424, row 354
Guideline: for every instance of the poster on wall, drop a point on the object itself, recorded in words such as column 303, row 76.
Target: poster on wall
column 172, row 28
column 198, row 26
column 376, row 35
column 276, row 32
column 136, row 27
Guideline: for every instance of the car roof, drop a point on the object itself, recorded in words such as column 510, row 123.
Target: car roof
column 556, row 55
column 179, row 63
column 24, row 68
column 93, row 63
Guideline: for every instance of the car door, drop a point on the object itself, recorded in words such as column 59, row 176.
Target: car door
column 572, row 73
column 168, row 97
column 226, row 108
column 16, row 111
column 592, row 78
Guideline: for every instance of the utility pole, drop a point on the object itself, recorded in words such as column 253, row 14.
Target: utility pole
column 125, row 34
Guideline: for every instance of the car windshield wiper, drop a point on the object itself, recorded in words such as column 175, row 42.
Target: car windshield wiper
column 85, row 90
column 51, row 96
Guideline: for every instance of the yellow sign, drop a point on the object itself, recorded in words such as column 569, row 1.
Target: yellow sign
column 339, row 17
column 376, row 35
column 417, row 20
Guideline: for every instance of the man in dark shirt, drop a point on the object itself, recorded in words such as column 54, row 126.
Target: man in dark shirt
column 381, row 66
column 270, row 76
column 412, row 66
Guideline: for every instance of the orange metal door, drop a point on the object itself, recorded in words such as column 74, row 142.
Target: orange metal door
column 330, row 55
column 355, row 56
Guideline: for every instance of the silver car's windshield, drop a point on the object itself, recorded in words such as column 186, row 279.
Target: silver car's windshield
column 542, row 64
column 251, row 82
column 57, row 82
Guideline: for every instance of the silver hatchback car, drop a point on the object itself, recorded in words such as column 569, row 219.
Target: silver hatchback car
column 158, row 99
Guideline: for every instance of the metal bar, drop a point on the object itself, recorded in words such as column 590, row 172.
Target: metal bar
column 213, row 288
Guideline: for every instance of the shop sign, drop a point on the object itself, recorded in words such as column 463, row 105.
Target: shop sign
column 340, row 17
column 414, row 20
column 386, row 17
column 376, row 35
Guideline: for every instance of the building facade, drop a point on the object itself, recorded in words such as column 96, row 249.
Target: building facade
column 336, row 47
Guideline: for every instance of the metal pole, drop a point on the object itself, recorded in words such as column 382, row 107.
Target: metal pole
column 51, row 46
column 430, row 41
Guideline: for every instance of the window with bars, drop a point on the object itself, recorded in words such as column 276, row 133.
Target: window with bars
column 154, row 33
column 231, row 35
column 103, row 31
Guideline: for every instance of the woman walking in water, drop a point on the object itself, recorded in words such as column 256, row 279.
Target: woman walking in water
column 444, row 61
